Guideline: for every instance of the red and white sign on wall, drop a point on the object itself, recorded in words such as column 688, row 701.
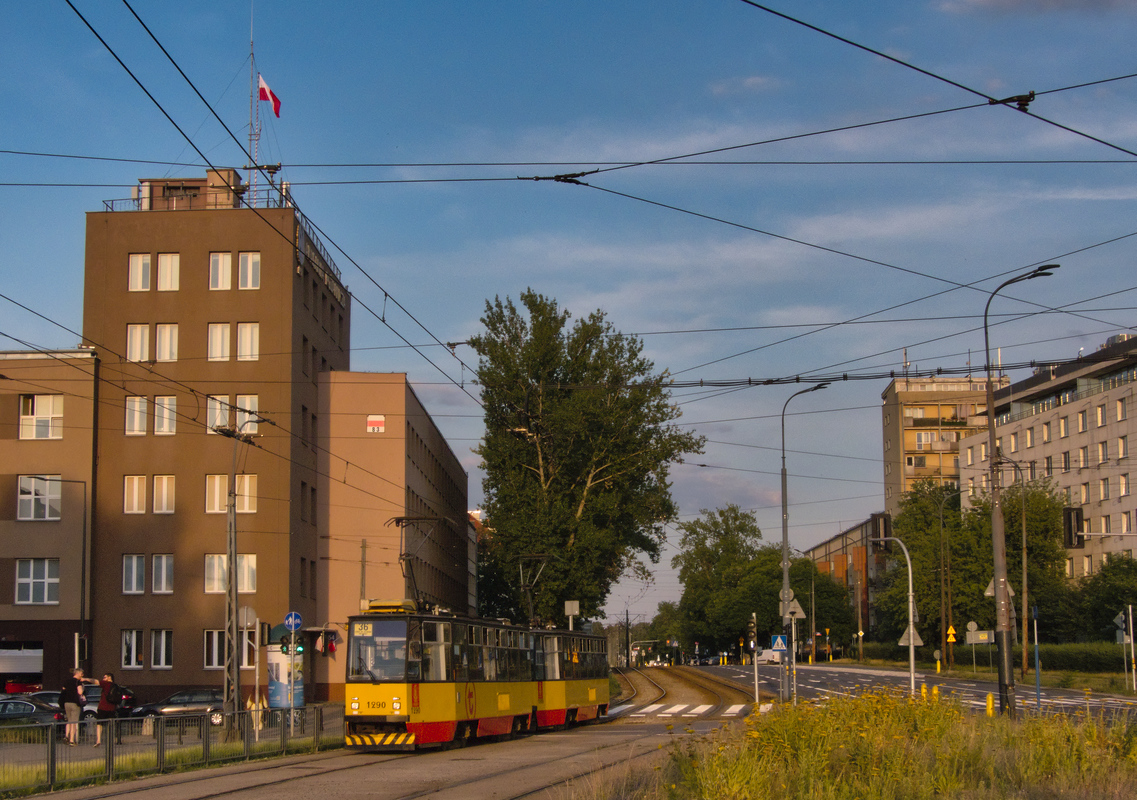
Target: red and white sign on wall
column 376, row 423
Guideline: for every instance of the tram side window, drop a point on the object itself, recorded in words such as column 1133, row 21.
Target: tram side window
column 489, row 654
column 474, row 650
column 435, row 651
column 553, row 658
column 538, row 658
column 414, row 650
column 461, row 651
column 378, row 650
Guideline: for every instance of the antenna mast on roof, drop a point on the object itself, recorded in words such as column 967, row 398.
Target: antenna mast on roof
column 254, row 112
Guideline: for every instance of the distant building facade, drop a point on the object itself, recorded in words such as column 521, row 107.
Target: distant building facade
column 211, row 318
column 923, row 421
column 1072, row 424
column 848, row 559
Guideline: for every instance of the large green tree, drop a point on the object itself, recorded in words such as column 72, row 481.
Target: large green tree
column 580, row 436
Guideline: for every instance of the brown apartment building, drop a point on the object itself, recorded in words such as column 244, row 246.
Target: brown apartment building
column 210, row 315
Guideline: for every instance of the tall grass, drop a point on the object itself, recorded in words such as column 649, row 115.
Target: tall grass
column 890, row 747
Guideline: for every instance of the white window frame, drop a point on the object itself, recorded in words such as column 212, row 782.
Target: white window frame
column 218, row 341
column 249, row 271
column 133, row 494
column 246, row 500
column 138, row 342
column 41, row 416
column 136, row 416
column 138, row 272
column 39, row 498
column 164, row 494
column 169, row 267
column 216, row 494
column 248, row 341
column 133, row 573
column 216, row 573
column 161, row 649
column 216, row 412
column 220, row 271
column 165, row 415
column 166, row 341
column 213, row 649
column 131, row 648
column 37, row 581
column 162, row 580
column 247, row 417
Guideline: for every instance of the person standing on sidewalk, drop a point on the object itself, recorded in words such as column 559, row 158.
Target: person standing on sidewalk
column 108, row 705
column 71, row 699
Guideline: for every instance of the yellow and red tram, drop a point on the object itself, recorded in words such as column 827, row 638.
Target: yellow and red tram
column 416, row 679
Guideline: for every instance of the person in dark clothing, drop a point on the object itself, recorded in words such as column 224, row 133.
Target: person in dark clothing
column 71, row 700
column 108, row 705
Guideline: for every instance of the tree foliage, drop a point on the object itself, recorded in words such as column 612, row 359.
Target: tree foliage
column 968, row 566
column 579, row 439
column 728, row 573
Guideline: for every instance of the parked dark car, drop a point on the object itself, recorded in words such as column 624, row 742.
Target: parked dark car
column 16, row 710
column 193, row 701
column 92, row 695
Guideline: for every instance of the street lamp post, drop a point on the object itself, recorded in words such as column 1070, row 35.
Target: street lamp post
column 1022, row 504
column 1003, row 632
column 787, row 595
column 944, row 560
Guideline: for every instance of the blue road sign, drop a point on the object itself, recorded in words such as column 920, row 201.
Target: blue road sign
column 778, row 643
column 293, row 623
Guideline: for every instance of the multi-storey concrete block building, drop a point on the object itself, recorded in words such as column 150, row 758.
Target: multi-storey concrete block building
column 1071, row 423
column 215, row 313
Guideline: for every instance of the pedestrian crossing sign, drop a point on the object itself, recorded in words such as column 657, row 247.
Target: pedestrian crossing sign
column 778, row 643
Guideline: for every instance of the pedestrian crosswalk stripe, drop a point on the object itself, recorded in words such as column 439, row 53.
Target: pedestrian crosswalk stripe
column 672, row 710
column 734, row 710
column 697, row 710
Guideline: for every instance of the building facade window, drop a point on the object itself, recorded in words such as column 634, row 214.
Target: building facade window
column 1088, row 565
column 246, row 494
column 1123, row 484
column 136, row 416
column 1122, row 413
column 249, row 271
column 216, row 489
column 247, row 413
column 41, row 416
column 132, row 649
column 1106, row 524
column 39, row 498
column 217, row 347
column 134, row 494
column 133, row 574
column 1083, row 457
column 1126, row 522
column 1063, row 427
column 216, row 575
column 163, row 574
column 1082, row 426
column 1030, row 437
column 216, row 412
column 1045, row 432
column 166, row 341
column 1066, row 461
column 248, row 341
column 37, row 581
column 220, row 271
column 1103, row 488
column 164, row 486
column 137, row 342
column 1122, row 446
column 1014, row 442
column 169, row 265
column 161, row 649
column 165, row 415
column 138, row 272
column 1103, row 452
column 1084, row 493
column 1048, row 466
column 1101, row 415
column 214, row 650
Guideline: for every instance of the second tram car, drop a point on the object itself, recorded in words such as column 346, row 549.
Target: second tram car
column 417, row 679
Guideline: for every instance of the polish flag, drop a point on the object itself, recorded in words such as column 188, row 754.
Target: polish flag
column 266, row 94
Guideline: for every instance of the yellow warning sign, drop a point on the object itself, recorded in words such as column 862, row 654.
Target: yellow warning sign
column 951, row 637
column 951, row 631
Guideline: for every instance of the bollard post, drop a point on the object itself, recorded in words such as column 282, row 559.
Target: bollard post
column 990, row 704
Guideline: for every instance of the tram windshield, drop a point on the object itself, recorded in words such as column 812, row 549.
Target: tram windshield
column 377, row 650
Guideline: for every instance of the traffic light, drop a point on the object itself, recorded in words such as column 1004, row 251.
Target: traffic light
column 1072, row 521
column 286, row 643
column 298, row 644
column 751, row 635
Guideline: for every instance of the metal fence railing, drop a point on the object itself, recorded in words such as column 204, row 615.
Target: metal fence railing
column 38, row 757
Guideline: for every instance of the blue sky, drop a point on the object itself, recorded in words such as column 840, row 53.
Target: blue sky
column 405, row 126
